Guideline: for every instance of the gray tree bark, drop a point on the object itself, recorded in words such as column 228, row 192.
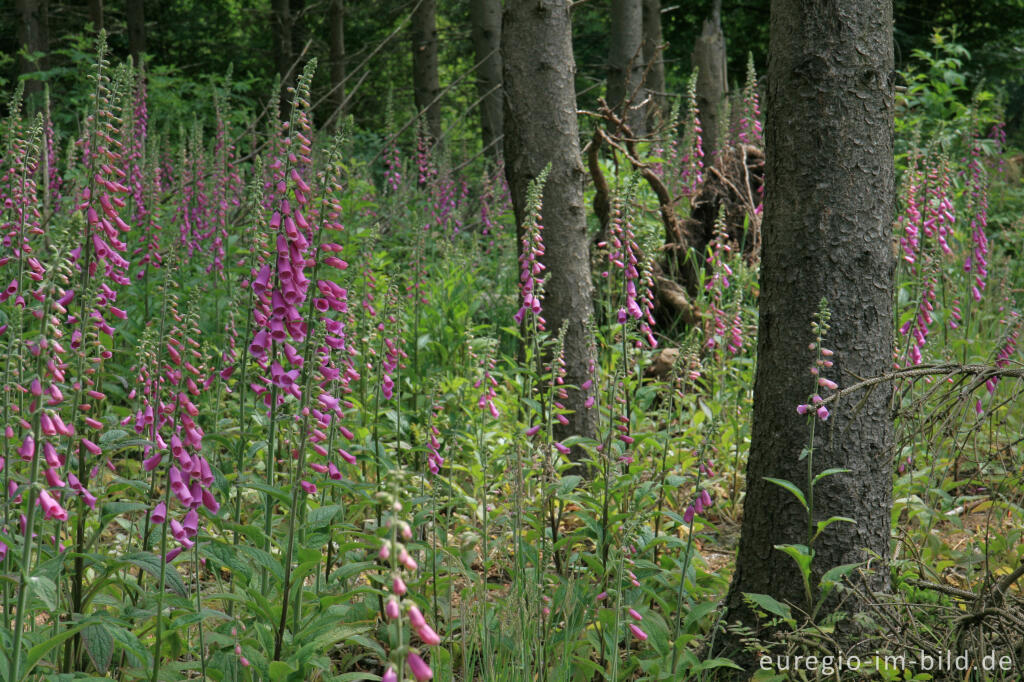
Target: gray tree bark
column 33, row 38
column 485, row 17
column 827, row 228
column 654, row 59
column 712, row 79
column 135, row 16
column 426, row 85
column 541, row 128
column 626, row 62
column 336, row 57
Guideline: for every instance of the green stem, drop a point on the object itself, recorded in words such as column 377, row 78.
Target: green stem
column 26, row 552
column 161, row 588
column 199, row 608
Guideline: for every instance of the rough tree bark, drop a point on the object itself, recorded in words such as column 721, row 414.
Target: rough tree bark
column 135, row 16
column 33, row 38
column 626, row 62
column 541, row 128
column 654, row 59
column 712, row 79
column 425, row 82
column 336, row 57
column 827, row 227
column 485, row 17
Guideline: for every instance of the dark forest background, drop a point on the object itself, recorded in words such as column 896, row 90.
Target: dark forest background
column 191, row 46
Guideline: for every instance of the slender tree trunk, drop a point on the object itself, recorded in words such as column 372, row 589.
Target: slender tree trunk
column 300, row 32
column 135, row 14
column 654, row 59
column 426, row 85
column 626, row 62
column 96, row 14
column 485, row 17
column 827, row 228
column 712, row 79
column 32, row 37
column 281, row 29
column 541, row 128
column 336, row 19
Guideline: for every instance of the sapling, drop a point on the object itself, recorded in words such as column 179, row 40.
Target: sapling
column 816, row 411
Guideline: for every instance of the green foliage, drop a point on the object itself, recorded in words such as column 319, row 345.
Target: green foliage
column 533, row 556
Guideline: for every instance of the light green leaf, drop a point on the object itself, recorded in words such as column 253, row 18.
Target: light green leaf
column 567, row 484
column 796, row 492
column 829, row 472
column 801, row 554
column 822, row 525
column 769, row 604
column 45, row 589
column 716, row 662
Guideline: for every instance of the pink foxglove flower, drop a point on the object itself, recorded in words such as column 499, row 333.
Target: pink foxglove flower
column 637, row 632
column 418, row 667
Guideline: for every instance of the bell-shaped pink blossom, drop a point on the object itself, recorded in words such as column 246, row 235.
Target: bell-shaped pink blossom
column 418, row 667
column 427, row 634
column 27, row 450
column 51, row 508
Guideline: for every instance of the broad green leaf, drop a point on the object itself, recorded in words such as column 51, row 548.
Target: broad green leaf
column 36, row 653
column 150, row 563
column 800, row 554
column 786, row 485
column 712, row 663
column 226, row 556
column 280, row 495
column 322, row 516
column 697, row 614
column 342, row 633
column 769, row 604
column 99, row 644
column 347, row 570
column 279, row 670
column 131, row 644
column 264, row 560
column 568, row 484
column 45, row 589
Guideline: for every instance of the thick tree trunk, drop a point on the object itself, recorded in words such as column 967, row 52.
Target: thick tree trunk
column 654, row 59
column 135, row 14
column 827, row 228
column 33, row 38
column 626, row 62
column 541, row 128
column 96, row 14
column 426, row 85
column 712, row 79
column 281, row 29
column 485, row 17
column 336, row 19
